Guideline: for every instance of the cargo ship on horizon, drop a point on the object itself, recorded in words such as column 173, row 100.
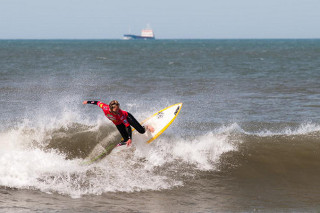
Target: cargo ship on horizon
column 146, row 34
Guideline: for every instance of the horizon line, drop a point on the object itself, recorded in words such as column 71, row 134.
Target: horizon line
column 160, row 39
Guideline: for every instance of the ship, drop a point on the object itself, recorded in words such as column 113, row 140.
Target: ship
column 146, row 34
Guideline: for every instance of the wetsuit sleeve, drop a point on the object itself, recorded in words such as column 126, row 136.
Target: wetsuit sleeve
column 129, row 132
column 135, row 124
column 103, row 105
column 92, row 102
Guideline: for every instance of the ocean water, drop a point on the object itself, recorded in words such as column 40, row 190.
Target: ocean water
column 247, row 138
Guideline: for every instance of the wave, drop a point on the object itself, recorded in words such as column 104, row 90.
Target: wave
column 267, row 129
column 50, row 157
column 282, row 159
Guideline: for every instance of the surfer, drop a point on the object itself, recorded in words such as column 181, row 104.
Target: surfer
column 122, row 119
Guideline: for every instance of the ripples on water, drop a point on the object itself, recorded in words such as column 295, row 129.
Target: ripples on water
column 246, row 138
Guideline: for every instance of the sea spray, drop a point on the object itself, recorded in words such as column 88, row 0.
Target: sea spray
column 29, row 159
column 130, row 169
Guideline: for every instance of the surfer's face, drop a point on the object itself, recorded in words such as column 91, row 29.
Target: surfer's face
column 115, row 109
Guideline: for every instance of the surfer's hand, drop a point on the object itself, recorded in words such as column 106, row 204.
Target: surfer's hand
column 129, row 142
column 85, row 102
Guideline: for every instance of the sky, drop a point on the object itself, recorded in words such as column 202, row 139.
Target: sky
column 170, row 19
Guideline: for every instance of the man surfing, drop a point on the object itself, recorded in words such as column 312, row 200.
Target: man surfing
column 122, row 119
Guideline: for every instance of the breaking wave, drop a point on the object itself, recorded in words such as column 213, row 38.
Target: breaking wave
column 49, row 156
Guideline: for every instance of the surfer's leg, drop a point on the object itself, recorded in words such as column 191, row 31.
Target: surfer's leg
column 124, row 132
column 133, row 122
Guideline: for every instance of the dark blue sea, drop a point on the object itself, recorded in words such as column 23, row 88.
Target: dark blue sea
column 247, row 137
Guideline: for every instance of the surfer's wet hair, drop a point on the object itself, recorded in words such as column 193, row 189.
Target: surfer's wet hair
column 113, row 103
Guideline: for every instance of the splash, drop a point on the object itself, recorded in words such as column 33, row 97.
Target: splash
column 302, row 129
column 47, row 155
column 37, row 156
column 275, row 130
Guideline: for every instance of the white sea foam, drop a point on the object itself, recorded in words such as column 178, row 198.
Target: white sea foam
column 203, row 152
column 25, row 162
column 302, row 129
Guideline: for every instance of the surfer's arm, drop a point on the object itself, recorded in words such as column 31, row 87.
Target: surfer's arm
column 91, row 102
column 129, row 132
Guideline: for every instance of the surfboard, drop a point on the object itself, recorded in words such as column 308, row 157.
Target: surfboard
column 160, row 121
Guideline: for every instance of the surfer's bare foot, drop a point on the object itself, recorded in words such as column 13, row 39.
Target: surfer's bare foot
column 150, row 128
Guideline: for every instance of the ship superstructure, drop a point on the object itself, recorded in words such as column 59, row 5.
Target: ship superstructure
column 146, row 34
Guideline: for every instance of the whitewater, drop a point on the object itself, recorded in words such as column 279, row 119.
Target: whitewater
column 28, row 161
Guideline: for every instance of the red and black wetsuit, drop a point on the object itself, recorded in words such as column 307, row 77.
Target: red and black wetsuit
column 122, row 120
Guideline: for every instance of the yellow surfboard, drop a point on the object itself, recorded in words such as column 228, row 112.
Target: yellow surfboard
column 160, row 121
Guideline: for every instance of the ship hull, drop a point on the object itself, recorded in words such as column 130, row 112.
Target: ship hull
column 136, row 37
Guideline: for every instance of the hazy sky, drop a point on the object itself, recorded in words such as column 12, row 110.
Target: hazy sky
column 106, row 19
